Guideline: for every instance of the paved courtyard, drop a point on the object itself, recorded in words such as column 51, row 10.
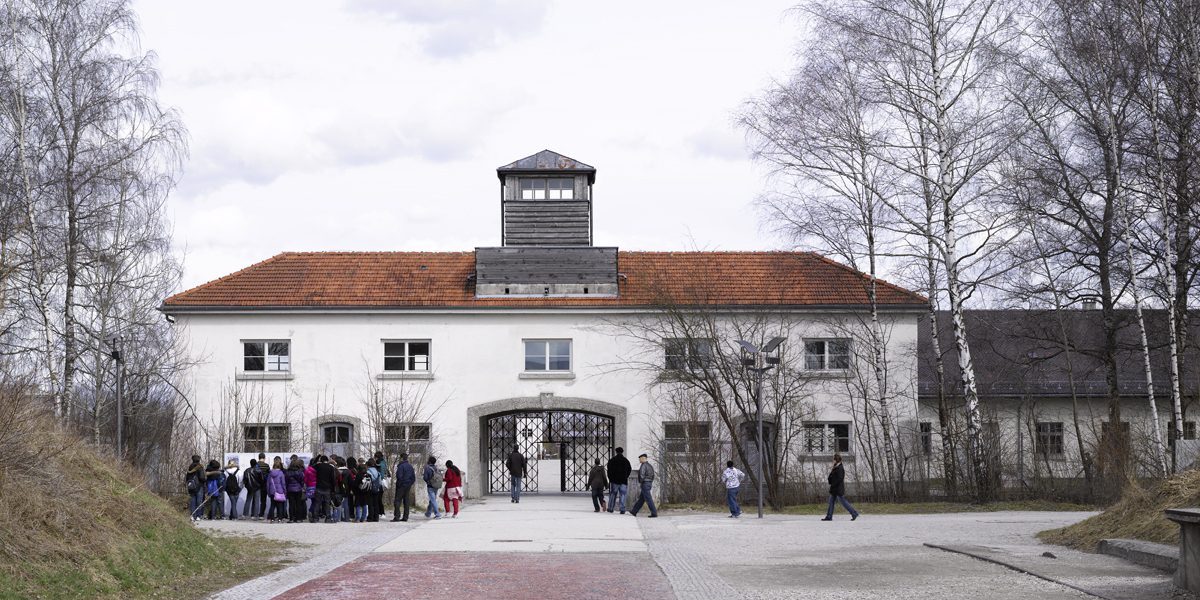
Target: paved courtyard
column 556, row 547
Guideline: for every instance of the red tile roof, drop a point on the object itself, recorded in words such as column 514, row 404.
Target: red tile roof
column 442, row 279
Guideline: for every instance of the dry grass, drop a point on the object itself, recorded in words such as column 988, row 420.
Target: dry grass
column 76, row 524
column 1138, row 515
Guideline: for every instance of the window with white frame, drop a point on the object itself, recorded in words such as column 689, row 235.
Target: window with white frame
column 827, row 355
column 1049, row 441
column 271, row 356
column 266, row 437
column 547, row 355
column 687, row 354
column 926, row 433
column 687, row 437
column 406, row 355
column 826, row 438
column 407, row 438
column 554, row 188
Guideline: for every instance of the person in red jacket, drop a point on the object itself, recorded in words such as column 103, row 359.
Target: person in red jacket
column 453, row 492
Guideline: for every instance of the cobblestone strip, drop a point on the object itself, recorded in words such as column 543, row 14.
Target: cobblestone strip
column 690, row 577
column 269, row 586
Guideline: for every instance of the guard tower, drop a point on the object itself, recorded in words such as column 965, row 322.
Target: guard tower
column 546, row 233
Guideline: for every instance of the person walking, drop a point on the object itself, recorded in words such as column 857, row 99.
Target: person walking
column 432, row 476
column 646, row 482
column 374, row 491
column 277, row 490
column 516, row 472
column 837, row 490
column 294, row 477
column 406, row 476
column 327, row 477
column 453, row 492
column 732, row 476
column 597, row 481
column 233, row 488
column 381, row 465
column 194, row 481
column 618, row 479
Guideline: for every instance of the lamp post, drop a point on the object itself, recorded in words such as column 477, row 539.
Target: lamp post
column 759, row 361
column 114, row 344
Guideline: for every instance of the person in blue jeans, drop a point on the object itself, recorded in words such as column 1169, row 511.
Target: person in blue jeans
column 732, row 476
column 516, row 472
column 195, row 473
column 837, row 490
column 646, row 481
column 433, row 482
column 618, row 479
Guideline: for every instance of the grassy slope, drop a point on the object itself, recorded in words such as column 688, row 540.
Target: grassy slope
column 1138, row 515
column 76, row 527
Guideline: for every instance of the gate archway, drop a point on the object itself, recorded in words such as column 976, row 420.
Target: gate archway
column 566, row 440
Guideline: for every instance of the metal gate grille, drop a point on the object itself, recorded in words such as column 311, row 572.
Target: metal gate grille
column 578, row 438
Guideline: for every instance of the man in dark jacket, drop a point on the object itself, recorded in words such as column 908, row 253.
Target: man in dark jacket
column 264, row 469
column 618, row 479
column 195, row 481
column 597, row 481
column 645, row 484
column 406, row 476
column 323, row 497
column 516, row 470
column 837, row 489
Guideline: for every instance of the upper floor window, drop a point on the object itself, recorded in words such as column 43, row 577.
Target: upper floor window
column 557, row 188
column 406, row 355
column 827, row 355
column 269, row 356
column 266, row 437
column 687, row 354
column 547, row 355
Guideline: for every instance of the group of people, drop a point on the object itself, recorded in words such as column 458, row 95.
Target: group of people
column 328, row 488
column 613, row 477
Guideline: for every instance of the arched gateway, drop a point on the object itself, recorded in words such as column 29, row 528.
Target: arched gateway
column 560, row 437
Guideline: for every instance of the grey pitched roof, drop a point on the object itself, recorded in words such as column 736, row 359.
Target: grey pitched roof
column 1020, row 353
column 547, row 160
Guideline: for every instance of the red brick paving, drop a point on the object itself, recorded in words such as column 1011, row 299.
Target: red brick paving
column 518, row 575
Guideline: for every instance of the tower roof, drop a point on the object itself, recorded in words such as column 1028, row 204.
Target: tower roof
column 547, row 162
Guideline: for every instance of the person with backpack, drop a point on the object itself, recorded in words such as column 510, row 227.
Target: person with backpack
column 597, row 481
column 194, row 481
column 406, row 476
column 251, row 484
column 618, row 479
column 294, row 476
column 355, row 497
column 277, row 489
column 373, row 489
column 381, row 465
column 214, row 489
column 453, row 492
column 233, row 488
column 432, row 476
column 732, row 476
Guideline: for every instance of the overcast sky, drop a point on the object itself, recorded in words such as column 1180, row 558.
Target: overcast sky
column 378, row 125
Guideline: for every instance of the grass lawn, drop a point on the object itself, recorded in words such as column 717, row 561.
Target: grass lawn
column 895, row 508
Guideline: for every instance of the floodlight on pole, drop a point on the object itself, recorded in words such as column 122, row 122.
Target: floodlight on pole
column 759, row 362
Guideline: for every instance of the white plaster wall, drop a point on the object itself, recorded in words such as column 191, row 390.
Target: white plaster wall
column 475, row 358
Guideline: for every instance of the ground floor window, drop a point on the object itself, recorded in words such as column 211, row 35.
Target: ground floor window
column 687, row 437
column 1049, row 441
column 926, row 432
column 1189, row 430
column 407, row 438
column 266, row 437
column 826, row 438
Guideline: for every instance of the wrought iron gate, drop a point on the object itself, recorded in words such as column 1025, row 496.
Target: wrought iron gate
column 576, row 438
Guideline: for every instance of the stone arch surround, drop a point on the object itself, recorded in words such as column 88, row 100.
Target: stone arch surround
column 476, row 425
column 314, row 437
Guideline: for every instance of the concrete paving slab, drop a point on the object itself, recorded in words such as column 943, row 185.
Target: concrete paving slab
column 537, row 524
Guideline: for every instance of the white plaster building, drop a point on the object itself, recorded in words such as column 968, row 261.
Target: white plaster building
column 475, row 352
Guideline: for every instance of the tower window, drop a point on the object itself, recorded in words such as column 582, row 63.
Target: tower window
column 558, row 188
